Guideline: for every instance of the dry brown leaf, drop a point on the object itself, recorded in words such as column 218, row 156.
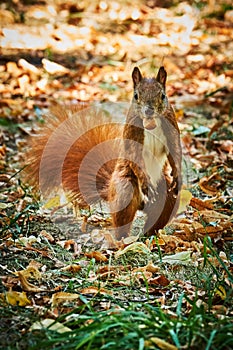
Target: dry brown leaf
column 97, row 256
column 30, row 272
column 227, row 146
column 168, row 238
column 216, row 126
column 84, row 225
column 106, row 268
column 6, row 17
column 42, row 252
column 72, row 268
column 141, row 274
column 199, row 204
column 152, row 268
column 209, row 230
column 205, row 185
column 35, row 264
column 95, row 290
column 161, row 280
column 23, row 82
column 211, row 214
column 110, row 241
column 26, row 286
column 152, row 244
column 71, row 243
column 219, row 309
column 47, row 235
column 197, row 226
column 107, row 275
column 61, row 297
column 2, row 151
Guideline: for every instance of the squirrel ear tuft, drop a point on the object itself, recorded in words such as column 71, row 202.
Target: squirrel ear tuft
column 162, row 76
column 137, row 76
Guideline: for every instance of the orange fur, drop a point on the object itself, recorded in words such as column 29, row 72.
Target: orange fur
column 131, row 168
column 71, row 149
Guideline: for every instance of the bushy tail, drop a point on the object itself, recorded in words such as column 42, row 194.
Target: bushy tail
column 75, row 150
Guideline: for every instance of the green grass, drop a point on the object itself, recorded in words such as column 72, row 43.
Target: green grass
column 107, row 322
column 134, row 328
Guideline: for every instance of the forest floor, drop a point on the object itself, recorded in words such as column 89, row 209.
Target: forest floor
column 65, row 283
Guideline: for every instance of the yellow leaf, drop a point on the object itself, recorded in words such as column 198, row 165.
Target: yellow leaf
column 17, row 298
column 162, row 344
column 185, row 198
column 30, row 272
column 52, row 202
column 221, row 292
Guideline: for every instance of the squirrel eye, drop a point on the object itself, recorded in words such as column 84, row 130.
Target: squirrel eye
column 163, row 96
column 136, row 95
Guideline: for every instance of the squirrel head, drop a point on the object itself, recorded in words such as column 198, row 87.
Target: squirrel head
column 150, row 98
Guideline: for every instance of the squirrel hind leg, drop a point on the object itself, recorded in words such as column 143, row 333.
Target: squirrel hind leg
column 153, row 223
column 124, row 201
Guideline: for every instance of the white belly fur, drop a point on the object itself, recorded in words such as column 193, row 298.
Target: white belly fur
column 154, row 152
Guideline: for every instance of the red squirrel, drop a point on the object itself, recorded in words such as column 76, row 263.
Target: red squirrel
column 132, row 166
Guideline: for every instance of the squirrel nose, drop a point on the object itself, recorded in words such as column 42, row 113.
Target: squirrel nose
column 149, row 111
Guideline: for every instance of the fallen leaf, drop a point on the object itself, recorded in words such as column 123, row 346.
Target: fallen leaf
column 72, row 243
column 52, row 202
column 152, row 268
column 26, row 286
column 183, row 258
column 162, row 344
column 72, row 268
column 160, row 280
column 221, row 292
column 47, row 235
column 97, row 256
column 28, row 66
column 227, row 146
column 84, row 225
column 205, row 184
column 13, row 69
column 60, row 298
column 137, row 247
column 141, row 274
column 51, row 325
column 29, row 272
column 199, row 204
column 16, row 298
column 53, row 67
column 185, row 198
column 95, row 290
column 219, row 309
column 130, row 239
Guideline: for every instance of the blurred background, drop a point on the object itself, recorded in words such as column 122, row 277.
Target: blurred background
column 85, row 50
